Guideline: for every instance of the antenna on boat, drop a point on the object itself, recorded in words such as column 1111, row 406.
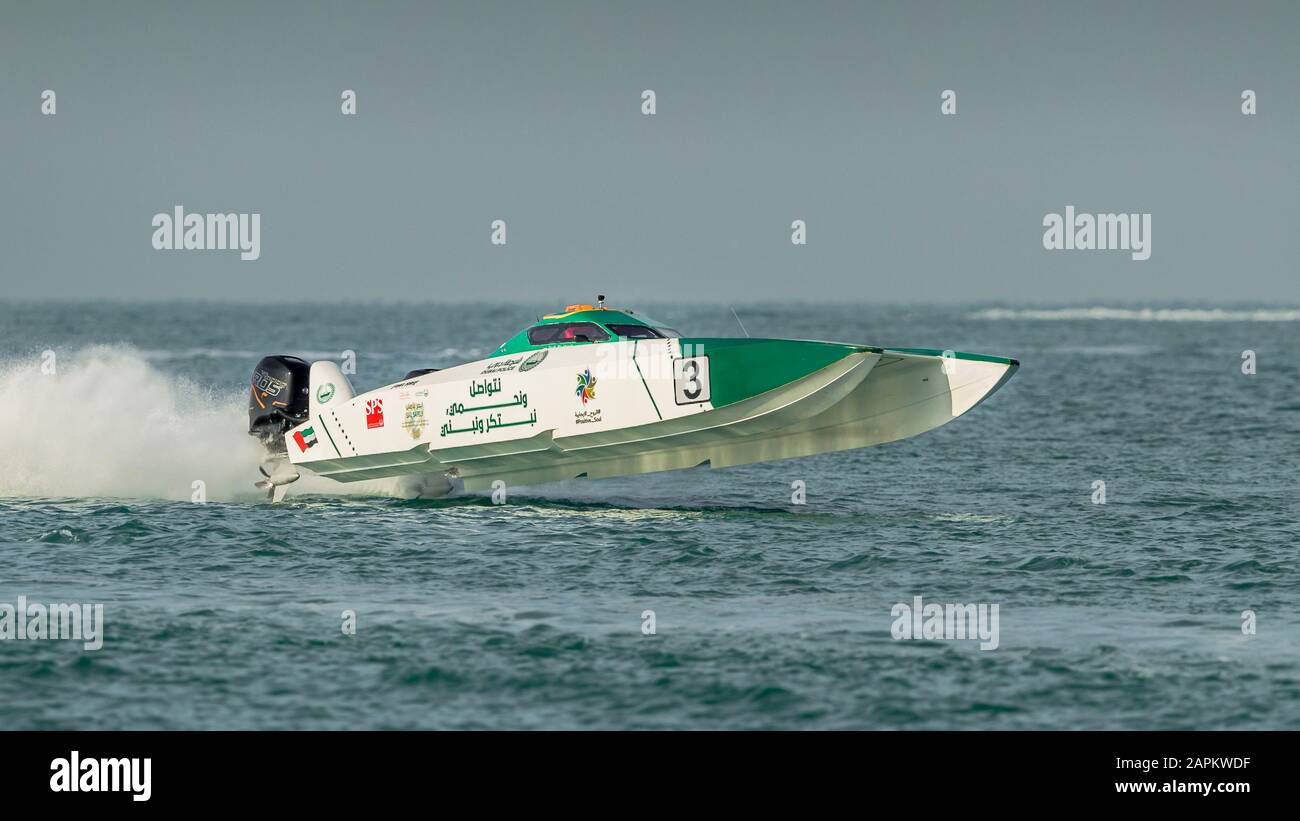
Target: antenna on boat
column 738, row 322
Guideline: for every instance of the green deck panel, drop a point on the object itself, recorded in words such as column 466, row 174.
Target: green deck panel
column 738, row 368
column 743, row 368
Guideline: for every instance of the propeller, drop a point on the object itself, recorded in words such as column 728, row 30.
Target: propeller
column 281, row 473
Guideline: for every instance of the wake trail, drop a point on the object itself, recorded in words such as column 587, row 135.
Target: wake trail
column 107, row 423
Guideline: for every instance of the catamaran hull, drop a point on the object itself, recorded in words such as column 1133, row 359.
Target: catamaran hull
column 635, row 406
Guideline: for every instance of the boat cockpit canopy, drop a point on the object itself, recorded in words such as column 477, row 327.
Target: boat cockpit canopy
column 585, row 324
column 566, row 332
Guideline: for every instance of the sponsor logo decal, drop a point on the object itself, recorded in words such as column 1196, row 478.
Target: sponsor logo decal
column 304, row 438
column 374, row 413
column 413, row 419
column 502, row 365
column 586, row 417
column 325, row 393
column 586, row 386
column 267, row 384
column 534, row 359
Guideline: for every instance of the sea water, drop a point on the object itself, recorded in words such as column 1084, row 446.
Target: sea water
column 1167, row 596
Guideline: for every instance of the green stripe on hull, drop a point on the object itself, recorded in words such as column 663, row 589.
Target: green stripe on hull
column 742, row 368
column 643, row 384
column 325, row 428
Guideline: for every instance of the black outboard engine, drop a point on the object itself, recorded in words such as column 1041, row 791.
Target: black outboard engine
column 280, row 390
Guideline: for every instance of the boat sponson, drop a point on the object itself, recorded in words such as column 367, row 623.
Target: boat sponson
column 671, row 444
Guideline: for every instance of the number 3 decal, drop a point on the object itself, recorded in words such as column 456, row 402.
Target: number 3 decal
column 691, row 379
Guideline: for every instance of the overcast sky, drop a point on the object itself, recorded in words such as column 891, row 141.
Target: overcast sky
column 767, row 112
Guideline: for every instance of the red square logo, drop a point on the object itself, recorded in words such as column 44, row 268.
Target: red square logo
column 374, row 413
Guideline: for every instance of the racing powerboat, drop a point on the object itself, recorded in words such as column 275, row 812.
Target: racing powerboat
column 597, row 392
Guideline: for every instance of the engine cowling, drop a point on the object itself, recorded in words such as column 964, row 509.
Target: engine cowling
column 278, row 399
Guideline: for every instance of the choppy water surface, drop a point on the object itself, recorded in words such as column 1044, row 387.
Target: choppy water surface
column 768, row 614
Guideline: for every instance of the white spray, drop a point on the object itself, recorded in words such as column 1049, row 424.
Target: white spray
column 109, row 424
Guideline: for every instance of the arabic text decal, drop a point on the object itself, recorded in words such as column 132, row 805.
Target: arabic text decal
column 489, row 421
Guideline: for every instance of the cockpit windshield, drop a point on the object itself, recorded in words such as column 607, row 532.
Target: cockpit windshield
column 566, row 332
column 643, row 332
column 636, row 332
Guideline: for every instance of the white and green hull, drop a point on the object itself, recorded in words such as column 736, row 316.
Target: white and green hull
column 649, row 405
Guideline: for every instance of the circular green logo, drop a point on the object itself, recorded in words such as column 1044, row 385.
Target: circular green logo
column 326, row 393
column 533, row 361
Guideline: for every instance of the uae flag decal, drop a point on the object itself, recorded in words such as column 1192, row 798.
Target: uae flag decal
column 305, row 438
